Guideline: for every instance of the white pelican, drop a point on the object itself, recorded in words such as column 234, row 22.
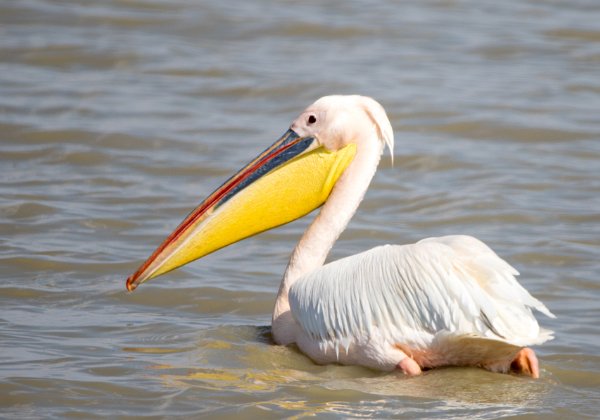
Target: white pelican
column 439, row 302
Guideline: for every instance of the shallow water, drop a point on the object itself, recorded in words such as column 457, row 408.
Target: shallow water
column 117, row 117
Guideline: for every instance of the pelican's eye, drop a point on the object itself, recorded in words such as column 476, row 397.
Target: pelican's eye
column 312, row 119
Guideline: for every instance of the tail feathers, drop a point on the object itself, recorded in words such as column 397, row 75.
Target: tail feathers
column 543, row 336
column 542, row 308
column 509, row 304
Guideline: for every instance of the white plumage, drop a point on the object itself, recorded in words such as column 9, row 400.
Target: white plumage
column 418, row 295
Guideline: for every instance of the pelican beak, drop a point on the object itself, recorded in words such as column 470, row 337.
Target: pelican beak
column 287, row 181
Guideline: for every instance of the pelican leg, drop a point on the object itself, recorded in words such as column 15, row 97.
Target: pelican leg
column 409, row 366
column 526, row 363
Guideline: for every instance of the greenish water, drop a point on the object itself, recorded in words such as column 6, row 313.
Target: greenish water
column 117, row 117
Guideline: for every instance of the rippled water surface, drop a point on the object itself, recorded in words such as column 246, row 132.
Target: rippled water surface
column 117, row 117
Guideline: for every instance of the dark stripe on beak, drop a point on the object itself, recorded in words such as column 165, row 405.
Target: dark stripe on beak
column 289, row 149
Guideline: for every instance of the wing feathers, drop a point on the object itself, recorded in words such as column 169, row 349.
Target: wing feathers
column 453, row 284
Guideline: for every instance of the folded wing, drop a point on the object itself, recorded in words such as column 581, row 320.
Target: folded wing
column 450, row 285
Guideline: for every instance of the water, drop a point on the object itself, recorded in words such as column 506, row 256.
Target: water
column 117, row 117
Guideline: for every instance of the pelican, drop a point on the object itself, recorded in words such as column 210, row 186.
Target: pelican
column 448, row 301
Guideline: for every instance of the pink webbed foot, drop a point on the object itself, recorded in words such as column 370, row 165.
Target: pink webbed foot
column 526, row 363
column 409, row 367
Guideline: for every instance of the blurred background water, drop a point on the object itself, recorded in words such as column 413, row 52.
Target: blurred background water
column 117, row 117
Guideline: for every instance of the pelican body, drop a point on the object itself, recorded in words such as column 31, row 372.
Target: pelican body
column 438, row 302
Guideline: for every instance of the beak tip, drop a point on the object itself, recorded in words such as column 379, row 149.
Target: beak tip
column 130, row 284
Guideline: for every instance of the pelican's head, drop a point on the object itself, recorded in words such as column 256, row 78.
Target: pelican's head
column 287, row 181
column 339, row 120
